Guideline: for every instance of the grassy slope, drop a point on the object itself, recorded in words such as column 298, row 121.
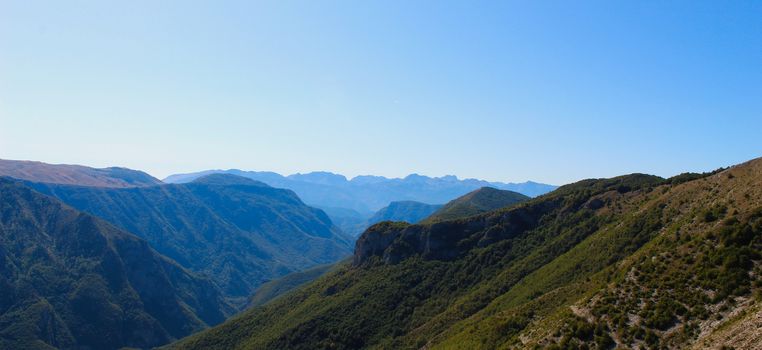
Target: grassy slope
column 275, row 288
column 662, row 295
column 626, row 253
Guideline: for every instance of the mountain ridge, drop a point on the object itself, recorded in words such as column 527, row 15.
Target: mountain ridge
column 479, row 201
column 560, row 271
column 72, row 280
column 75, row 174
column 368, row 193
column 237, row 231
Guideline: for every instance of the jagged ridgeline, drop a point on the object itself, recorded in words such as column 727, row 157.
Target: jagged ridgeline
column 69, row 280
column 633, row 261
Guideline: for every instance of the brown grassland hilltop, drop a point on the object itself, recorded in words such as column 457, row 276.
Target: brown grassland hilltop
column 75, row 174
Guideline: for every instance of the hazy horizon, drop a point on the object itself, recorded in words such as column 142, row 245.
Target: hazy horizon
column 352, row 176
column 505, row 91
column 598, row 95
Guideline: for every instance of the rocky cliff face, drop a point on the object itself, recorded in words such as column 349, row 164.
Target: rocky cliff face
column 446, row 240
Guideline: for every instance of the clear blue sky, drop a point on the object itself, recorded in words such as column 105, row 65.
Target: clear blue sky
column 504, row 90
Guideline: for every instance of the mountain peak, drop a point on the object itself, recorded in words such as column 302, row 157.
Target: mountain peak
column 476, row 202
column 452, row 178
column 227, row 179
column 416, row 177
column 320, row 177
column 368, row 179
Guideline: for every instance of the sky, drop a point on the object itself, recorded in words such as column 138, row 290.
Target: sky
column 549, row 91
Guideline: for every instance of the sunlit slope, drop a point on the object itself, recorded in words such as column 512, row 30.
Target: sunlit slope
column 634, row 260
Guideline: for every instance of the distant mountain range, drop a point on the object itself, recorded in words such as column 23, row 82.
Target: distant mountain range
column 368, row 194
column 635, row 261
column 351, row 204
column 408, row 211
column 354, row 223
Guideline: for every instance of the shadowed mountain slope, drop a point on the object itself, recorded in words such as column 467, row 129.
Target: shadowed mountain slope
column 239, row 232
column 72, row 281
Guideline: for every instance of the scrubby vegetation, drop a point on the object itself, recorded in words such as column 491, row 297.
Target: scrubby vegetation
column 634, row 261
column 275, row 288
column 684, row 280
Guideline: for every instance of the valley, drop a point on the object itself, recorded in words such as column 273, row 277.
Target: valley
column 380, row 175
column 218, row 244
column 633, row 261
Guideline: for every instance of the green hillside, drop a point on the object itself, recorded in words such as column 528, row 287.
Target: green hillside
column 72, row 281
column 237, row 231
column 633, row 261
column 479, row 201
column 275, row 288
